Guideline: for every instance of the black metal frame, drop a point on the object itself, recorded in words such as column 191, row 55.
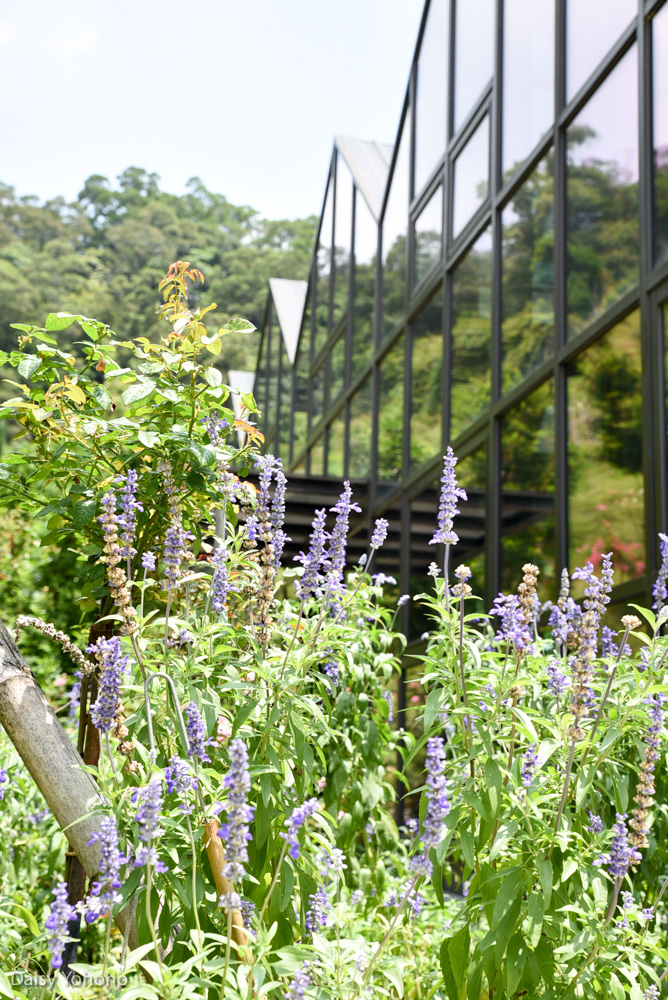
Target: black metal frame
column 649, row 296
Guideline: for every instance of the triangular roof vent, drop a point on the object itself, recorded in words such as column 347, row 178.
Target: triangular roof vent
column 370, row 166
column 289, row 298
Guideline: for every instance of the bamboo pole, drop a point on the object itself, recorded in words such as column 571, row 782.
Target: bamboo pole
column 51, row 759
column 216, row 855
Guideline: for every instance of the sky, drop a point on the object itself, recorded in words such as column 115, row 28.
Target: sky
column 245, row 94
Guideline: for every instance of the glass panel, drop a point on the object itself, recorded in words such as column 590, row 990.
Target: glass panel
column 660, row 96
column 285, row 412
column 361, row 424
column 317, row 396
column 427, row 382
column 318, row 458
column 471, row 366
column 430, row 102
column 272, row 372
column 324, row 264
column 472, row 476
column 471, row 177
column 527, row 267
column 605, row 479
column 395, row 227
column 428, row 235
column 602, row 189
column 342, row 236
column 391, row 414
column 335, row 448
column 527, row 491
column 474, row 53
column 338, row 368
column 260, row 391
column 300, row 401
column 528, row 77
column 366, row 248
column 592, row 28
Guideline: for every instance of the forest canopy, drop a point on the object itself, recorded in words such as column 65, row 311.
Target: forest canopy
column 104, row 254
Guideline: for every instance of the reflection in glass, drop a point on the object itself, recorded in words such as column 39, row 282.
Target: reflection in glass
column 424, row 513
column 300, row 401
column 260, row 390
column 360, row 430
column 527, row 491
column 366, row 248
column 323, row 266
column 528, row 77
column 527, row 267
column 605, row 479
column 317, row 454
column 395, row 227
column 472, row 476
column 427, row 382
column 660, row 95
column 317, row 396
column 428, row 235
column 474, row 53
column 335, row 448
column 285, row 407
column 338, row 367
column 592, row 28
column 470, row 375
column 342, row 236
column 273, row 358
column 391, row 413
column 602, row 196
column 430, row 101
column 471, row 177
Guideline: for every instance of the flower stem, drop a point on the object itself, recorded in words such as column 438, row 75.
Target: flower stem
column 228, row 948
column 149, row 915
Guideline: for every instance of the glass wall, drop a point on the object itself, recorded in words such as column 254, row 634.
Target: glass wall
column 431, row 87
column 660, row 143
column 605, row 449
column 592, row 28
column 471, row 177
column 527, row 491
column 338, row 368
column 474, row 53
column 366, row 249
column 395, row 228
column 391, row 413
column 324, row 270
column 301, row 395
column 528, row 77
column 335, row 448
column 342, row 237
column 428, row 235
column 360, row 431
column 427, row 381
column 527, row 262
column 602, row 196
column 471, row 332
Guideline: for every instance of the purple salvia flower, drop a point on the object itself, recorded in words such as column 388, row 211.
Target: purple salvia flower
column 216, row 427
column 104, row 892
column 387, row 695
column 379, row 533
column 404, row 599
column 148, row 818
column 514, row 628
column 4, row 780
column 336, row 554
column 296, row 820
column 316, row 915
column 74, row 695
column 235, row 832
column 127, row 520
column 331, row 670
column 652, row 992
column 380, row 579
column 582, row 664
column 277, row 513
column 622, row 855
column 196, row 732
column 565, row 621
column 660, row 588
column 174, row 552
column 220, row 581
column 229, row 901
column 450, row 494
column 557, row 682
column 595, row 822
column 438, row 805
column 113, row 665
column 529, row 762
column 310, row 584
column 59, row 917
column 148, row 561
column 300, row 983
column 180, row 780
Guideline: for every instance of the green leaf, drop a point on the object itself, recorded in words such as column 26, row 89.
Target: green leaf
column 84, row 512
column 544, row 866
column 28, row 919
column 170, row 394
column 432, row 707
column 101, row 396
column 536, row 912
column 616, row 988
column 59, row 321
column 29, row 365
column 6, row 989
column 446, row 969
column 458, row 953
column 467, row 845
column 286, row 886
column 149, row 438
column 213, row 376
column 137, row 391
column 237, row 325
